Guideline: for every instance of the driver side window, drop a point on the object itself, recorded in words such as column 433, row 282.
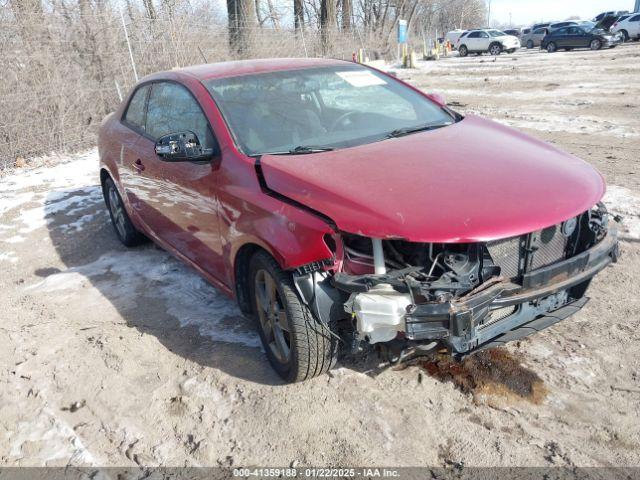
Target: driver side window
column 173, row 109
column 484, row 35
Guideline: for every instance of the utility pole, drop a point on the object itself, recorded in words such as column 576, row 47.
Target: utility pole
column 637, row 7
column 510, row 21
column 489, row 15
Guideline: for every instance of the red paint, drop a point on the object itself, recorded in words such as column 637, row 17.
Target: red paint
column 476, row 180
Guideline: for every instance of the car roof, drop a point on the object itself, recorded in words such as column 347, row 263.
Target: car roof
column 238, row 68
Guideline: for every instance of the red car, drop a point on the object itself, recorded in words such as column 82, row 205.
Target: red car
column 345, row 209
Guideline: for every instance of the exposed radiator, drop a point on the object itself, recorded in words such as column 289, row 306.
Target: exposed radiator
column 550, row 247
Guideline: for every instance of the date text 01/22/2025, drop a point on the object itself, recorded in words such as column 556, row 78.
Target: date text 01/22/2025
column 316, row 472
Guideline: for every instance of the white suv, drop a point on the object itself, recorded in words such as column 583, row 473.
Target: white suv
column 493, row 41
column 629, row 27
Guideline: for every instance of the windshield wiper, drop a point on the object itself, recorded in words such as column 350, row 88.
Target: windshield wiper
column 401, row 132
column 301, row 149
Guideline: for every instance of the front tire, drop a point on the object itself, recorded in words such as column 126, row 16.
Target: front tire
column 463, row 51
column 298, row 345
column 122, row 224
column 551, row 47
column 495, row 49
column 530, row 44
column 625, row 35
column 595, row 44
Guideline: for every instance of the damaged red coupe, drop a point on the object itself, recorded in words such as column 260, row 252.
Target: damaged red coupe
column 345, row 209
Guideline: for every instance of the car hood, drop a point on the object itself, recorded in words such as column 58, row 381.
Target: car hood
column 606, row 22
column 476, row 180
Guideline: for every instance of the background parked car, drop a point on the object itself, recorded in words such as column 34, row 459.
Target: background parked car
column 536, row 26
column 534, row 38
column 628, row 26
column 557, row 25
column 453, row 36
column 569, row 38
column 487, row 40
column 611, row 13
column 516, row 32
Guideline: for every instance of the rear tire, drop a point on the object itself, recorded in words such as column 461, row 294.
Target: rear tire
column 463, row 51
column 625, row 35
column 298, row 345
column 124, row 228
column 551, row 47
column 595, row 44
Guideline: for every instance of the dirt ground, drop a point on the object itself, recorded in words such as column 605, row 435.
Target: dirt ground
column 122, row 357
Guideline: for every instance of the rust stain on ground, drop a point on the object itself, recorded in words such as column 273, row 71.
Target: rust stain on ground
column 494, row 372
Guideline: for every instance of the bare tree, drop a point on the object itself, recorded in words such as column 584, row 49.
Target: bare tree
column 242, row 19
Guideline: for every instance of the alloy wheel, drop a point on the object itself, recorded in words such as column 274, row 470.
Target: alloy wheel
column 495, row 50
column 272, row 316
column 595, row 44
column 551, row 47
column 117, row 212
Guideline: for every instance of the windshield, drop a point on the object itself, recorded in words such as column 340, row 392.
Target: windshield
column 319, row 108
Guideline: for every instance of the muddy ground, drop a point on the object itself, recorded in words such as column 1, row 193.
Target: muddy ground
column 122, row 357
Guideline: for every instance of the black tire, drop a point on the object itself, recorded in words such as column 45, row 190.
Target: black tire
column 312, row 348
column 511, row 50
column 551, row 47
column 595, row 44
column 495, row 49
column 625, row 35
column 126, row 232
column 567, row 49
column 530, row 44
column 463, row 51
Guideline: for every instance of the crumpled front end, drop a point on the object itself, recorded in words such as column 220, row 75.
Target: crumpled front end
column 465, row 297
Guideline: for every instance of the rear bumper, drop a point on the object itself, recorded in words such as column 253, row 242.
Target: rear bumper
column 505, row 311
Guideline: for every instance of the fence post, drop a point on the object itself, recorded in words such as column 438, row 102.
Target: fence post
column 126, row 36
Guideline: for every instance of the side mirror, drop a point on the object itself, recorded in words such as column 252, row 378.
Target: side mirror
column 182, row 147
column 437, row 98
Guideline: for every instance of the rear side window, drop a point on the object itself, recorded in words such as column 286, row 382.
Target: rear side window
column 173, row 109
column 135, row 111
column 635, row 19
column 474, row 35
column 540, row 31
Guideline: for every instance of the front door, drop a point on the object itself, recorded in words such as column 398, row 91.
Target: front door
column 184, row 206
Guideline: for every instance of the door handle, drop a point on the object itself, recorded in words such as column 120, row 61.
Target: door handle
column 137, row 165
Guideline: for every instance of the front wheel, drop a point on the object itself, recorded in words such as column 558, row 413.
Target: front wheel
column 530, row 44
column 495, row 49
column 125, row 230
column 298, row 345
column 551, row 47
column 625, row 35
column 595, row 44
column 463, row 51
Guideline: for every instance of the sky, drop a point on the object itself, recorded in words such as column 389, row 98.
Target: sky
column 526, row 12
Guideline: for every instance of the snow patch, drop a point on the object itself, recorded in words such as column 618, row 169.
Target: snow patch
column 56, row 440
column 187, row 296
column 8, row 257
column 622, row 201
